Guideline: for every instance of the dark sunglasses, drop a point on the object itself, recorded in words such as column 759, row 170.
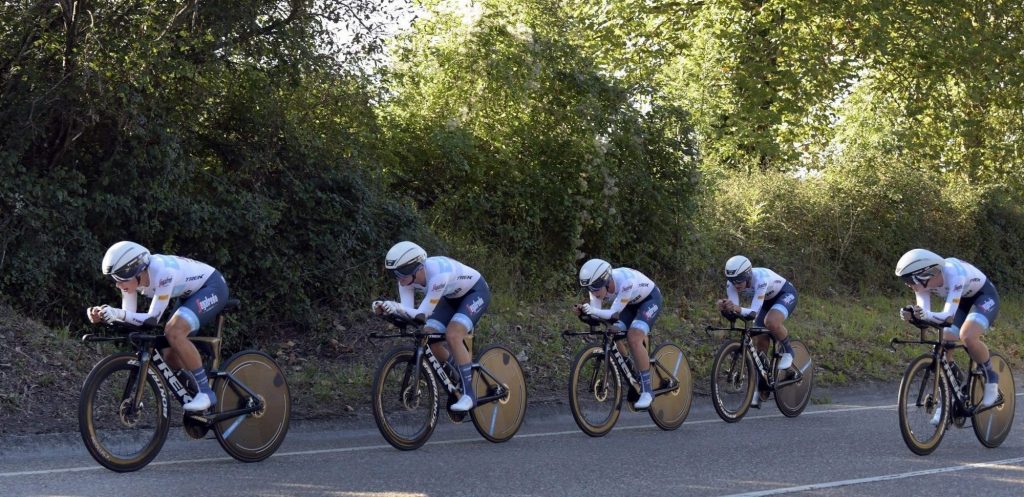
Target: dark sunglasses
column 919, row 278
column 740, row 278
column 128, row 271
column 406, row 270
column 597, row 285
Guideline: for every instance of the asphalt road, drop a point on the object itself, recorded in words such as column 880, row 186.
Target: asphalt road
column 850, row 446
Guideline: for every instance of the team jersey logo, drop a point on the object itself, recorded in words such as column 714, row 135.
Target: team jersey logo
column 651, row 311
column 988, row 305
column 476, row 305
column 206, row 303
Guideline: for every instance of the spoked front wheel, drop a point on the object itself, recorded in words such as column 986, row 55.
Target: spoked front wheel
column 792, row 399
column 992, row 426
column 920, row 397
column 669, row 409
column 500, row 419
column 255, row 436
column 120, row 433
column 405, row 403
column 732, row 382
column 595, row 391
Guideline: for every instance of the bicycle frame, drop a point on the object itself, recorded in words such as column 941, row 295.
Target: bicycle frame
column 610, row 338
column 150, row 361
column 765, row 371
column 423, row 341
column 961, row 402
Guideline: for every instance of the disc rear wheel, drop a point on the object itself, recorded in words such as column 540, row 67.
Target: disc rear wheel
column 500, row 419
column 992, row 426
column 255, row 436
column 669, row 409
column 792, row 399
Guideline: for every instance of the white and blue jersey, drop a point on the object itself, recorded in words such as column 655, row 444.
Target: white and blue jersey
column 453, row 292
column 963, row 286
column 172, row 277
column 637, row 300
column 767, row 291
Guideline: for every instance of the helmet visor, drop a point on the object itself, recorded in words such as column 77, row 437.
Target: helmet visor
column 406, row 270
column 128, row 271
column 597, row 284
column 743, row 277
column 917, row 278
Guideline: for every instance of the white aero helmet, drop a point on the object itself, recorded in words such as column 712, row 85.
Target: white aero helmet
column 404, row 259
column 595, row 273
column 125, row 260
column 737, row 269
column 915, row 266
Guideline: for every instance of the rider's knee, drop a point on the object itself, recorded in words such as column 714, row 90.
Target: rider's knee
column 177, row 328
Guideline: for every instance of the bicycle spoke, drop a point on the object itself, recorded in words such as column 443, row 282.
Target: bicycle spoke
column 120, row 433
column 731, row 382
column 595, row 392
column 921, row 430
column 405, row 404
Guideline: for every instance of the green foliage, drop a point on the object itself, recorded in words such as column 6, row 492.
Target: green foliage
column 224, row 134
column 508, row 136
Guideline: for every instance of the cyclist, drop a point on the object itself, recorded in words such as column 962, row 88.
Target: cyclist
column 773, row 299
column 161, row 278
column 635, row 301
column 455, row 297
column 972, row 305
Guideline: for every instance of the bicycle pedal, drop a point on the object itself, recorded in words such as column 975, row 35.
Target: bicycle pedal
column 456, row 416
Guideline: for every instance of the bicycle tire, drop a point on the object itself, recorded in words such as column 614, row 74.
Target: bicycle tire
column 103, row 427
column 406, row 417
column 670, row 409
column 595, row 391
column 253, row 437
column 499, row 420
column 917, row 404
column 732, row 377
column 792, row 399
column 992, row 426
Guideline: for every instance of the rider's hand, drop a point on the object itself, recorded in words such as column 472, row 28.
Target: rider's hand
column 390, row 307
column 93, row 314
column 111, row 314
column 919, row 313
column 587, row 309
column 377, row 307
column 906, row 314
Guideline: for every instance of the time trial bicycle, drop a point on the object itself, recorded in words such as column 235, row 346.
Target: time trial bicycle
column 934, row 385
column 406, row 402
column 600, row 369
column 123, row 409
column 738, row 365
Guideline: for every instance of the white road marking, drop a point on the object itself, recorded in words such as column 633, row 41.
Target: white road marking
column 875, row 479
column 460, row 441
